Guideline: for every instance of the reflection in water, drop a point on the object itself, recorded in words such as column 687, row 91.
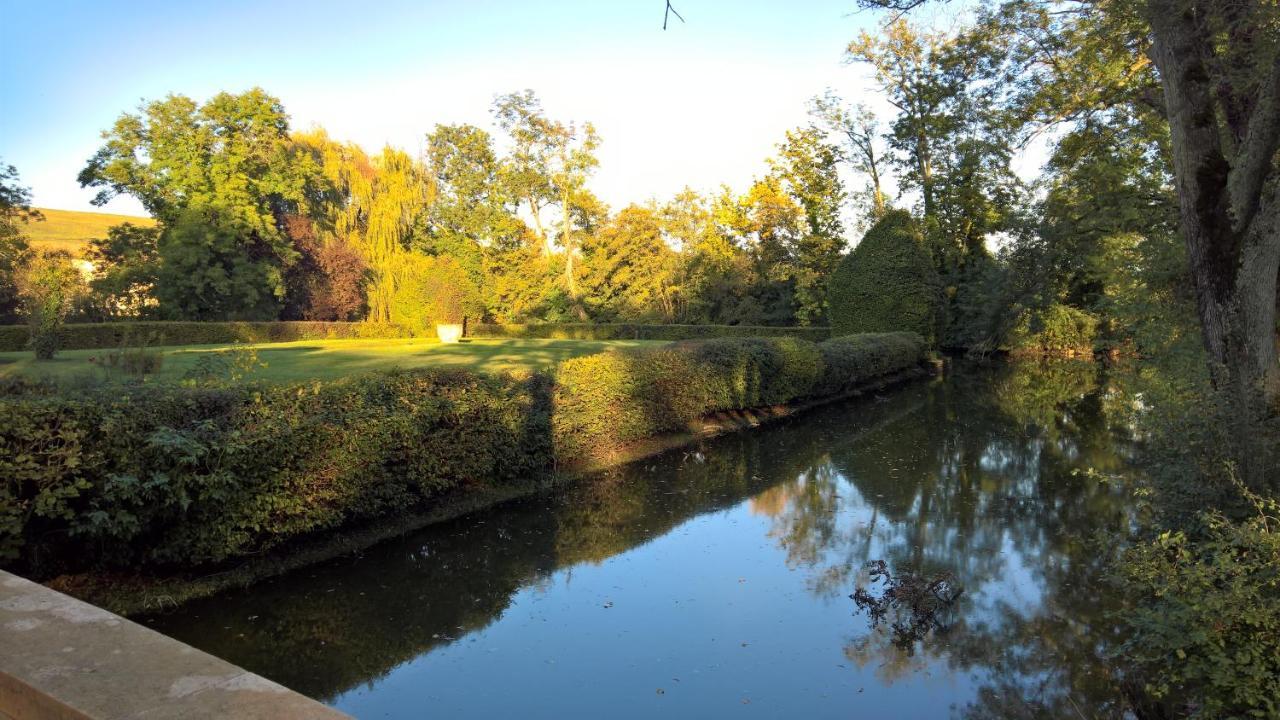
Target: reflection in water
column 717, row 582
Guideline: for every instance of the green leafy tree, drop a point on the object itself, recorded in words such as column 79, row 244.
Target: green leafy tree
column 806, row 166
column 126, row 263
column 203, row 272
column 549, row 165
column 15, row 213
column 857, row 127
column 630, row 273
column 228, row 157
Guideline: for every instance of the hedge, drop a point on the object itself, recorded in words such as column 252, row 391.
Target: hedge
column 84, row 336
column 161, row 474
column 155, row 475
column 633, row 331
column 605, row 401
column 887, row 283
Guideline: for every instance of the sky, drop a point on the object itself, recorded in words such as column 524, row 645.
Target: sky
column 700, row 104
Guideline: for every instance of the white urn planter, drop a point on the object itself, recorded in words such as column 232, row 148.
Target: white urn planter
column 450, row 333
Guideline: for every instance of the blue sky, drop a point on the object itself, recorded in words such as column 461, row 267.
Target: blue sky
column 701, row 104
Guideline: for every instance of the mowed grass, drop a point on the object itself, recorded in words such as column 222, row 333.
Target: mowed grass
column 72, row 230
column 328, row 359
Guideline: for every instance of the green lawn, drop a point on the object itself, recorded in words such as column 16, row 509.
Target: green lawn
column 327, row 359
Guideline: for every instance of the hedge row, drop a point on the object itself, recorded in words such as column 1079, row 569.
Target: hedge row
column 631, row 331
column 155, row 475
column 605, row 401
column 84, row 336
column 166, row 474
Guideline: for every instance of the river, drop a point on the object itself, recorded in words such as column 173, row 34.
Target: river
column 715, row 581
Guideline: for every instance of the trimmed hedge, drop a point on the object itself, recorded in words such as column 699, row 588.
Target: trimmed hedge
column 605, row 401
column 169, row 475
column 159, row 474
column 888, row 283
column 85, row 336
column 634, row 331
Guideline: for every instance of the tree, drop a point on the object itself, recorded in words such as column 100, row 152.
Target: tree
column 126, row 263
column 228, row 157
column 549, row 165
column 203, row 272
column 15, row 213
column 630, row 272
column 806, row 168
column 49, row 287
column 857, row 126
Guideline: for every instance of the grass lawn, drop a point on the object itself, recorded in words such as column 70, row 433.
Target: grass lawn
column 328, row 359
column 72, row 230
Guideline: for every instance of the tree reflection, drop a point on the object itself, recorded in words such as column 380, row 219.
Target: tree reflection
column 979, row 476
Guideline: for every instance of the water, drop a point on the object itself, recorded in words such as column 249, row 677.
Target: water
column 716, row 582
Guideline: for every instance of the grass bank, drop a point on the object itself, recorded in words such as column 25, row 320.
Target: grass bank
column 187, row 489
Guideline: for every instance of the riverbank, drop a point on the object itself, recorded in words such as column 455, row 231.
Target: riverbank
column 314, row 481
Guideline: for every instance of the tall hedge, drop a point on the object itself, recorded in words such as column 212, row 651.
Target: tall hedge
column 888, row 283
column 157, row 474
column 85, row 336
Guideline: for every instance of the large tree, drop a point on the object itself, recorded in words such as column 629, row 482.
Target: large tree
column 15, row 213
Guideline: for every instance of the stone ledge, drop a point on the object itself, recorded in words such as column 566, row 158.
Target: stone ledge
column 64, row 659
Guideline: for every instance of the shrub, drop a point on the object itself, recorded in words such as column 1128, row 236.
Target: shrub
column 48, row 287
column 638, row 331
column 1205, row 616
column 171, row 474
column 1055, row 331
column 136, row 356
column 605, row 401
column 85, row 336
column 888, row 283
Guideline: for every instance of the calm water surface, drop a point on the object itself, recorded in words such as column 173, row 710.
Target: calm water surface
column 716, row 582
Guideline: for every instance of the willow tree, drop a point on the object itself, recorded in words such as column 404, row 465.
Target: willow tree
column 371, row 205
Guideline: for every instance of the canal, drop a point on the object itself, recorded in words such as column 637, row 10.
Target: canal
column 715, row 581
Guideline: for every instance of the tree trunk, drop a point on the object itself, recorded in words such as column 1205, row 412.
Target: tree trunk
column 1229, row 198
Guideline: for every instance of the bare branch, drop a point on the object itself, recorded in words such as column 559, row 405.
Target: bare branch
column 668, row 13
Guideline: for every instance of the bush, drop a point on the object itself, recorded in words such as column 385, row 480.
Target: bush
column 887, row 284
column 1055, row 331
column 153, row 475
column 605, row 401
column 1205, row 617
column 636, row 331
column 85, row 336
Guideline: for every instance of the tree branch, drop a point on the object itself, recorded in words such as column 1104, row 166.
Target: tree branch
column 668, row 13
column 1255, row 156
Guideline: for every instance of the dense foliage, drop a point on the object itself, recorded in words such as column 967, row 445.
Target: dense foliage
column 194, row 474
column 635, row 331
column 887, row 283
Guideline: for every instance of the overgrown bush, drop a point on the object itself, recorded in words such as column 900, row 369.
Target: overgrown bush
column 605, row 401
column 888, row 283
column 636, row 331
column 86, row 336
column 1054, row 331
column 136, row 357
column 1205, row 616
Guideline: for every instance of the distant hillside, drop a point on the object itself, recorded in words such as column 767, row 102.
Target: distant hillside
column 71, row 230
